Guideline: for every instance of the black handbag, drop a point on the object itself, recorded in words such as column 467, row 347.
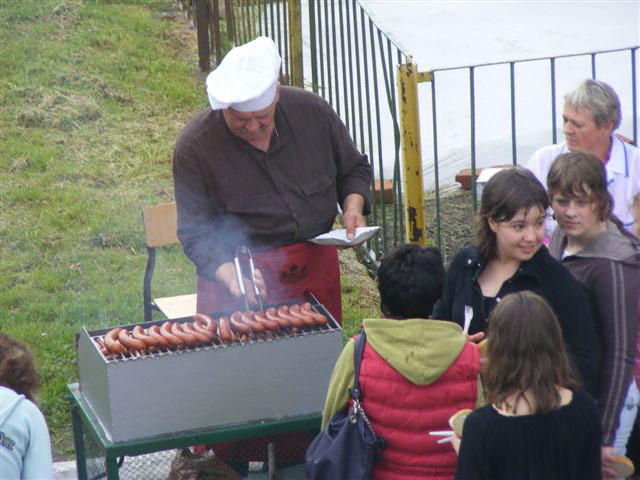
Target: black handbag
column 348, row 446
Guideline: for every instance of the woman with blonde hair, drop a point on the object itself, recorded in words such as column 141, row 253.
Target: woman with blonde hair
column 605, row 257
column 537, row 424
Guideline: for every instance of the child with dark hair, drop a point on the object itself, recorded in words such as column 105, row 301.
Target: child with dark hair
column 605, row 257
column 25, row 448
column 410, row 281
column 509, row 257
column 536, row 425
column 415, row 372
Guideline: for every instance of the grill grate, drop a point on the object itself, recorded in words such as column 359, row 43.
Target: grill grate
column 244, row 340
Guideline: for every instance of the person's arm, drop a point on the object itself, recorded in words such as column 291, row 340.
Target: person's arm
column 354, row 174
column 616, row 288
column 227, row 275
column 340, row 384
column 207, row 239
column 37, row 463
column 569, row 303
column 352, row 214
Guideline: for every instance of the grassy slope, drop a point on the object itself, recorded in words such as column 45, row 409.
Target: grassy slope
column 92, row 96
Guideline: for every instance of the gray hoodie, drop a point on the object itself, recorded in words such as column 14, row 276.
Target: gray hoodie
column 609, row 270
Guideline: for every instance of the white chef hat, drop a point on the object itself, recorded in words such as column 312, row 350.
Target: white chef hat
column 247, row 78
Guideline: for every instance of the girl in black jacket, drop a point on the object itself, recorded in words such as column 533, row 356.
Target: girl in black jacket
column 509, row 257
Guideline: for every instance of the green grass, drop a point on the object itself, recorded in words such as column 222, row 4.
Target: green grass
column 92, row 97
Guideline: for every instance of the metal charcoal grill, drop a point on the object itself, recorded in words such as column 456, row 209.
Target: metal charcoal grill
column 176, row 389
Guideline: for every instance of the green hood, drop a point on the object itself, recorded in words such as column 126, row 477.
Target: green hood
column 421, row 350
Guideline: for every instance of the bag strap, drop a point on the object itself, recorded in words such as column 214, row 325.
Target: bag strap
column 381, row 442
column 361, row 339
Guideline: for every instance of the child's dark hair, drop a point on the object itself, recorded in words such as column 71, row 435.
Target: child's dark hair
column 503, row 196
column 17, row 368
column 526, row 352
column 410, row 281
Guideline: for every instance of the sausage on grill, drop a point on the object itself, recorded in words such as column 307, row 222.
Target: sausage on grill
column 239, row 325
column 166, row 332
column 306, row 319
column 140, row 334
column 283, row 311
column 155, row 332
column 128, row 341
column 272, row 314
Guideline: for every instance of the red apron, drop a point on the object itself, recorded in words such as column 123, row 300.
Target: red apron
column 288, row 271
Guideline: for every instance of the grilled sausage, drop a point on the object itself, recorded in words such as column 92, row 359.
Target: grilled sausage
column 306, row 319
column 257, row 327
column 166, row 332
column 112, row 343
column 319, row 318
column 239, row 325
column 272, row 314
column 204, row 321
column 200, row 337
column 155, row 332
column 283, row 311
column 204, row 330
column 269, row 324
column 140, row 334
column 128, row 341
column 187, row 338
column 225, row 333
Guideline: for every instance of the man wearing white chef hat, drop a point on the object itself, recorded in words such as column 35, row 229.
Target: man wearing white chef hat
column 265, row 166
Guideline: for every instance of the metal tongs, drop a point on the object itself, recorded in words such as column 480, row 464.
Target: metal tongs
column 242, row 250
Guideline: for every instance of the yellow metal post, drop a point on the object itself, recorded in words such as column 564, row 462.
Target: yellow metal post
column 295, row 43
column 411, row 153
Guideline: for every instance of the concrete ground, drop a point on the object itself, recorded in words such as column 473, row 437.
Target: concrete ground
column 64, row 471
column 67, row 471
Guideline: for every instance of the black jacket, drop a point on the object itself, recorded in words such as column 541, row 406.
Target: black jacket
column 543, row 275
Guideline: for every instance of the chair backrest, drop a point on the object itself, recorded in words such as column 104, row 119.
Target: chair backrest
column 160, row 229
column 160, row 224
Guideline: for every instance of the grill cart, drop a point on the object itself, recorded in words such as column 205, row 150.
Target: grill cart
column 172, row 398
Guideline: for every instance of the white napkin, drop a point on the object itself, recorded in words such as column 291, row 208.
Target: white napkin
column 339, row 237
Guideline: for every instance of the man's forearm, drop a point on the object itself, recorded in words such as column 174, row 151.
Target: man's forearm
column 354, row 202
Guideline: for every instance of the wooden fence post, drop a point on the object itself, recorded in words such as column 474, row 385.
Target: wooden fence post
column 202, row 27
column 215, row 30
column 295, row 43
column 231, row 31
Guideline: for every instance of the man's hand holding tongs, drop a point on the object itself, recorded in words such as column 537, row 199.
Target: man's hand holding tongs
column 226, row 274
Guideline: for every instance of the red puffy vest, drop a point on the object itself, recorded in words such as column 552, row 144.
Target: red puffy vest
column 405, row 413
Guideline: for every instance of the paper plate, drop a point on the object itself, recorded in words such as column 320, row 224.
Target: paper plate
column 338, row 237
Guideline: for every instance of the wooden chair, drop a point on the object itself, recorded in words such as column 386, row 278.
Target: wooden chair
column 160, row 230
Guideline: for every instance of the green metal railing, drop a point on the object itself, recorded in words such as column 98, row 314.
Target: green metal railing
column 353, row 64
column 552, row 61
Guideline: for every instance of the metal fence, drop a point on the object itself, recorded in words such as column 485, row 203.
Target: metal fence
column 353, row 65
